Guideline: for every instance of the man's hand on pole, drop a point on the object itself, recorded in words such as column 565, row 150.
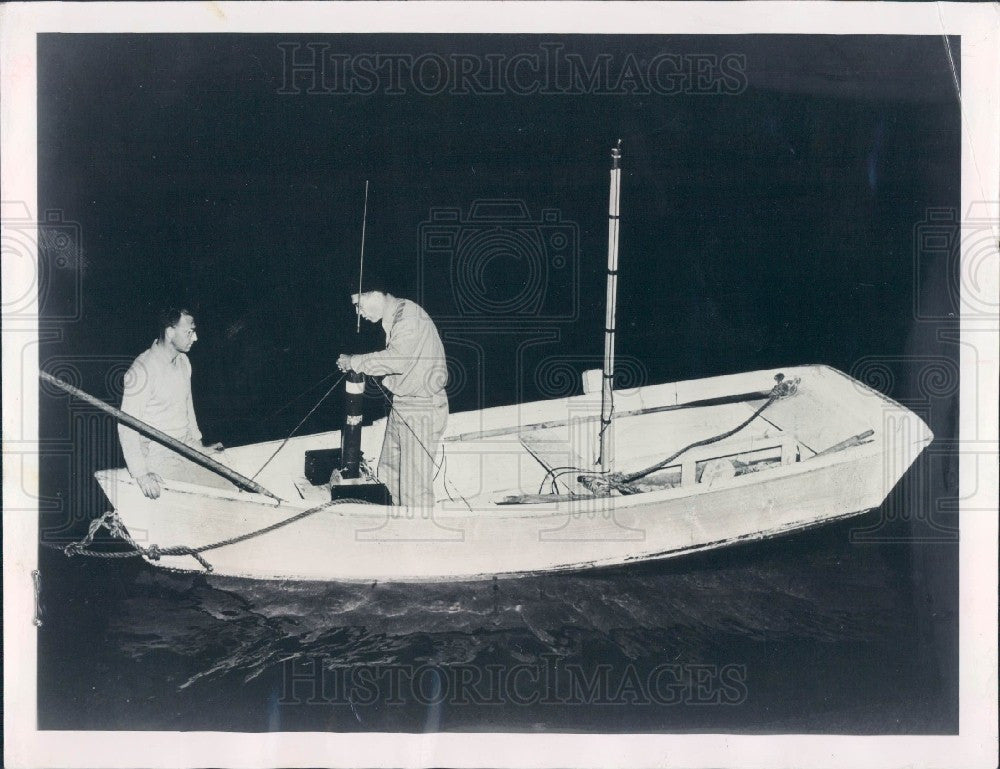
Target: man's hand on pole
column 344, row 363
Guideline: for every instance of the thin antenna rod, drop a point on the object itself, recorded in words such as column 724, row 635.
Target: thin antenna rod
column 361, row 271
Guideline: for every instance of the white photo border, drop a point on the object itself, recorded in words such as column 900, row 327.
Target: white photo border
column 975, row 745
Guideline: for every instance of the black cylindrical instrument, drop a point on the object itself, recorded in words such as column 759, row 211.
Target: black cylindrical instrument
column 350, row 434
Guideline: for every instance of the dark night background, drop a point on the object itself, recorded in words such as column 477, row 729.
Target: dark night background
column 776, row 226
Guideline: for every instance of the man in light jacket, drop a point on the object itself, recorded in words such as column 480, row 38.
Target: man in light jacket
column 158, row 391
column 413, row 364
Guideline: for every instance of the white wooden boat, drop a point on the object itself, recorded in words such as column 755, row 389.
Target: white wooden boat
column 833, row 449
column 524, row 489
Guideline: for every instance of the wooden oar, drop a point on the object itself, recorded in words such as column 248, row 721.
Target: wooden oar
column 721, row 400
column 854, row 440
column 162, row 438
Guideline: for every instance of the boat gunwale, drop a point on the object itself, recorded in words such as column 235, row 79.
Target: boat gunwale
column 487, row 504
column 574, row 506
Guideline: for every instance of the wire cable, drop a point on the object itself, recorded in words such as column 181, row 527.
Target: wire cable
column 438, row 465
column 295, row 429
column 309, row 389
column 782, row 389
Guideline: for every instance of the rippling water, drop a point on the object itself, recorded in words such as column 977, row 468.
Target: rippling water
column 804, row 633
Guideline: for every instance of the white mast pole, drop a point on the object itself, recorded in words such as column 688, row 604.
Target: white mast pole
column 608, row 373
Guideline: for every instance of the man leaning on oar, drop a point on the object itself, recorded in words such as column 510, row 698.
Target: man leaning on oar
column 158, row 391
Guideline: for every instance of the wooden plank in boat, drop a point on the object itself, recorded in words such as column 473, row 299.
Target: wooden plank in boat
column 475, row 435
column 537, row 499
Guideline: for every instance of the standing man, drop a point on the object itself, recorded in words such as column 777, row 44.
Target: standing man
column 158, row 391
column 415, row 371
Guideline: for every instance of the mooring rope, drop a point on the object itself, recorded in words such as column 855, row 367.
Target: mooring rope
column 113, row 523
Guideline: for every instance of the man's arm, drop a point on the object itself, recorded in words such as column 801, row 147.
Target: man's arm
column 396, row 356
column 193, row 429
column 134, row 400
column 192, row 420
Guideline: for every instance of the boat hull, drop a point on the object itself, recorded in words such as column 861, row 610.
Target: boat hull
column 474, row 538
column 356, row 544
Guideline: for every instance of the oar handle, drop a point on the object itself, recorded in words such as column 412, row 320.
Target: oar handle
column 160, row 437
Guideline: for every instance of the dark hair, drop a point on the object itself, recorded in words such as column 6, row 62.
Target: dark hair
column 169, row 317
column 372, row 282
